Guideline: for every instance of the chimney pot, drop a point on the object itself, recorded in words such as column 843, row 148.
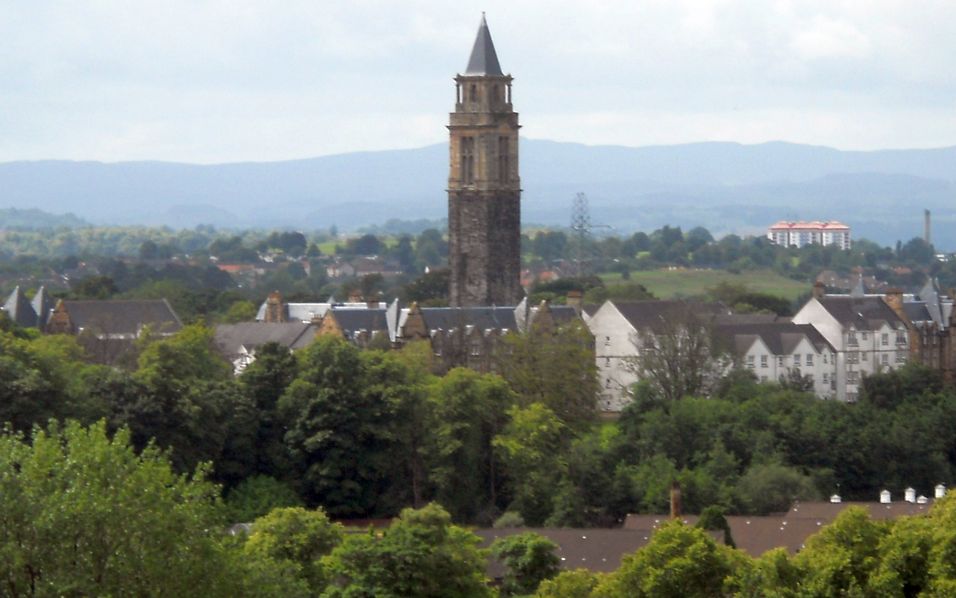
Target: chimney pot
column 909, row 495
column 885, row 497
column 940, row 491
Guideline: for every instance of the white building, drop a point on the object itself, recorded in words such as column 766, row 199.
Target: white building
column 866, row 332
column 617, row 328
column 777, row 350
column 800, row 234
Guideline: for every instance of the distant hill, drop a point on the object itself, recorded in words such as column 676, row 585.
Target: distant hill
column 727, row 187
column 34, row 219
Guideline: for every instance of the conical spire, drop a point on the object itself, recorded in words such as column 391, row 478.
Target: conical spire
column 484, row 60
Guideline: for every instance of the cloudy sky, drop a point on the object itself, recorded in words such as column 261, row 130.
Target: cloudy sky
column 230, row 80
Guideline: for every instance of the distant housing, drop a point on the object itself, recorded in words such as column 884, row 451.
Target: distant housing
column 799, row 234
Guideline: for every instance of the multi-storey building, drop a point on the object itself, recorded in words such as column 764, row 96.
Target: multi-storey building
column 801, row 234
column 869, row 333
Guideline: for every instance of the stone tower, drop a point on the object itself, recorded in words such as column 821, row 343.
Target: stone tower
column 484, row 190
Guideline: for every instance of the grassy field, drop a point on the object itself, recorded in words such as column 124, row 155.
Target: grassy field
column 685, row 283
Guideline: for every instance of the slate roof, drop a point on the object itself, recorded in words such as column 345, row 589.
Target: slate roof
column 484, row 59
column 122, row 316
column 42, row 304
column 650, row 314
column 305, row 312
column 353, row 320
column 780, row 337
column 863, row 313
column 19, row 310
column 596, row 549
column 230, row 338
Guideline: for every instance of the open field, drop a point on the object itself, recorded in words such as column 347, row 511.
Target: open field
column 684, row 283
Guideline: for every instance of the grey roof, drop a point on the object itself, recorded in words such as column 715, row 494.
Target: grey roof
column 932, row 298
column 353, row 320
column 230, row 338
column 42, row 304
column 19, row 310
column 780, row 337
column 859, row 289
column 595, row 549
column 863, row 313
column 484, row 60
column 651, row 314
column 123, row 316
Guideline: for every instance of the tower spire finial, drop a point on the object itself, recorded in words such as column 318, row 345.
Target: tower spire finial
column 484, row 59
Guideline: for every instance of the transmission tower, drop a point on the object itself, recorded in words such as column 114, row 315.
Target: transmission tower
column 581, row 227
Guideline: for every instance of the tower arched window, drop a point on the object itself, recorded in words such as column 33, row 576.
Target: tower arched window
column 472, row 93
column 468, row 160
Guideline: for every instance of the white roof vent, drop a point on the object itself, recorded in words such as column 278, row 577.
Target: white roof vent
column 921, row 500
column 909, row 495
column 836, row 498
column 940, row 490
column 885, row 497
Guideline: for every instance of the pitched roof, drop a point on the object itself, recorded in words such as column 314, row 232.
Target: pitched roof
column 230, row 338
column 19, row 310
column 484, row 59
column 595, row 549
column 42, row 304
column 116, row 316
column 354, row 320
column 780, row 337
column 650, row 314
column 863, row 313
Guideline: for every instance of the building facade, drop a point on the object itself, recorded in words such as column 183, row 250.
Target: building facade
column 801, row 234
column 484, row 189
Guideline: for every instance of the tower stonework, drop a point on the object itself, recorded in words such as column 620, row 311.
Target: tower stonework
column 484, row 189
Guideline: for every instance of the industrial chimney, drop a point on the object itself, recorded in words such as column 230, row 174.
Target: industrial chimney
column 926, row 227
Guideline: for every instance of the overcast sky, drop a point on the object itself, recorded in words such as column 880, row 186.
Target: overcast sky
column 232, row 80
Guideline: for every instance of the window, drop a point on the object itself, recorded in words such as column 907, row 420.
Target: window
column 885, row 339
column 863, row 334
column 865, row 355
column 750, row 361
column 504, row 153
column 763, row 361
column 473, row 93
column 825, row 358
column 476, row 347
column 796, row 360
column 900, row 337
column 901, row 357
column 852, row 377
column 826, row 378
column 885, row 359
column 809, row 359
column 853, row 357
column 607, row 341
column 468, row 160
column 779, row 361
column 851, row 338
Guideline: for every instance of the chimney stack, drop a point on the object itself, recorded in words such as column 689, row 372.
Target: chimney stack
column 675, row 500
column 576, row 300
column 275, row 310
column 894, row 298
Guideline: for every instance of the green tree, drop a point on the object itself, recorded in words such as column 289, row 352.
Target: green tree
column 421, row 555
column 569, row 584
column 532, row 446
column 264, row 381
column 771, row 487
column 679, row 562
column 529, row 559
column 240, row 311
column 297, row 539
column 338, row 431
column 256, row 496
column 840, row 559
column 85, row 515
column 467, row 410
column 554, row 367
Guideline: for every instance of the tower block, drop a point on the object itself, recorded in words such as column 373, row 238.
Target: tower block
column 484, row 189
